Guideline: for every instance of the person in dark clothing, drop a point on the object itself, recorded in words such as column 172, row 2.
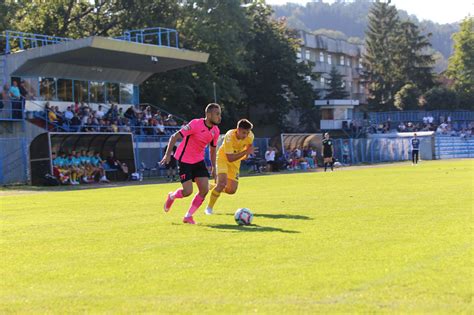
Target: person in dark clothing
column 171, row 166
column 415, row 149
column 328, row 152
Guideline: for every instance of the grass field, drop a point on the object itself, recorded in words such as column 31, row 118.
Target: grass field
column 395, row 238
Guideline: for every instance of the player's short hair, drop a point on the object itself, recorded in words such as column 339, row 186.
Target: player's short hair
column 211, row 106
column 244, row 124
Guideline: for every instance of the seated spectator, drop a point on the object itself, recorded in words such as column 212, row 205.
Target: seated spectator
column 52, row 117
column 120, row 113
column 170, row 121
column 130, row 113
column 99, row 114
column 68, row 114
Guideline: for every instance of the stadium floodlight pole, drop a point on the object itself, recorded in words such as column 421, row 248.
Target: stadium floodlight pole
column 214, row 86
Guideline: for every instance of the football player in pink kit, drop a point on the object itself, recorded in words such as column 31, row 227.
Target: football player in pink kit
column 195, row 136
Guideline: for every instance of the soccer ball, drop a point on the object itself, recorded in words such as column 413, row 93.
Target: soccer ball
column 243, row 216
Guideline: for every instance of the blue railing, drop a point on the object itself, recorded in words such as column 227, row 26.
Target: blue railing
column 159, row 36
column 417, row 116
column 23, row 41
column 12, row 110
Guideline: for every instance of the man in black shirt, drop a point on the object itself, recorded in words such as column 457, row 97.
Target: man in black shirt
column 328, row 152
column 415, row 149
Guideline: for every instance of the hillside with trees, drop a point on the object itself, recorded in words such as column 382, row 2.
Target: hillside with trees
column 348, row 20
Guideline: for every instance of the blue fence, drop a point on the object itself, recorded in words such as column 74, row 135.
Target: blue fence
column 12, row 110
column 417, row 116
column 24, row 41
column 13, row 161
column 447, row 147
column 159, row 36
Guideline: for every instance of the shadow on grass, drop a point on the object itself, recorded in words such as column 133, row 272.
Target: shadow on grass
column 276, row 216
column 283, row 216
column 248, row 228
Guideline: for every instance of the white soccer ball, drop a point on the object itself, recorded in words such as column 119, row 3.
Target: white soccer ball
column 243, row 216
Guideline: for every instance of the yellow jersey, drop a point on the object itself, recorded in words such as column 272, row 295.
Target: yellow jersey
column 232, row 145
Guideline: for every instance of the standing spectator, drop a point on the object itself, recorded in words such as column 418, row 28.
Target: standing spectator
column 4, row 99
column 171, row 166
column 23, row 91
column 415, row 149
column 328, row 152
column 345, row 152
column 270, row 158
column 15, row 97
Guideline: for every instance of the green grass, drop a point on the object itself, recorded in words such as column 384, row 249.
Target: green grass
column 384, row 239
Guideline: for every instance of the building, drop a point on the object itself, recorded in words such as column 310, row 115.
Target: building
column 326, row 52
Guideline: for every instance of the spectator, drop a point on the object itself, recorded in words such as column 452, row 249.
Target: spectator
column 68, row 114
column 170, row 121
column 345, row 152
column 23, row 91
column 14, row 92
column 16, row 102
column 114, row 164
column 4, row 99
column 99, row 114
column 270, row 158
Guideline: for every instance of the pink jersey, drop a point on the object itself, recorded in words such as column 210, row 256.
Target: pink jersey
column 196, row 137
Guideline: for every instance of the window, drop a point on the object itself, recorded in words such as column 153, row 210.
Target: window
column 360, row 63
column 48, row 89
column 113, row 92
column 361, row 88
column 81, row 91
column 307, row 54
column 96, row 91
column 321, row 57
column 298, row 53
column 322, row 80
column 343, row 83
column 348, row 61
column 341, row 61
column 126, row 93
column 327, row 114
column 329, row 59
column 64, row 90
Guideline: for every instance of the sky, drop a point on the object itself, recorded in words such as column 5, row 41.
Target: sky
column 440, row 11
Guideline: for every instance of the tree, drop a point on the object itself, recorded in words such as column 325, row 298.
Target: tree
column 440, row 98
column 336, row 90
column 407, row 97
column 412, row 58
column 461, row 63
column 380, row 45
column 276, row 81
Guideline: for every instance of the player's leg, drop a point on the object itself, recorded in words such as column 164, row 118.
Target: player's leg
column 203, row 189
column 216, row 192
column 231, row 187
column 413, row 157
column 332, row 163
column 186, row 175
column 416, row 156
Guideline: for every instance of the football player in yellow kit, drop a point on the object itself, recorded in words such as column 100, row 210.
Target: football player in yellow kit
column 237, row 145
